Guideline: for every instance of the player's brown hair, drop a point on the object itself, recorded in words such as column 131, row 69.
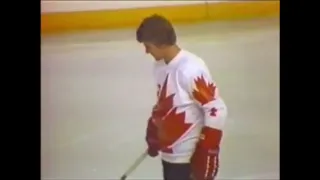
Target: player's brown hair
column 156, row 29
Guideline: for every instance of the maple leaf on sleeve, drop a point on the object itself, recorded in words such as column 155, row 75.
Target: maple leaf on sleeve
column 203, row 92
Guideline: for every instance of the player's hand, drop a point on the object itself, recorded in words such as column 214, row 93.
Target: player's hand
column 152, row 139
column 204, row 163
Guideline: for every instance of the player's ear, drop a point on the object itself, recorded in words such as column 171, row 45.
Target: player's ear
column 161, row 46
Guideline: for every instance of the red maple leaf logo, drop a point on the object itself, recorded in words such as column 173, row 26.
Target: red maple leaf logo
column 204, row 92
column 171, row 125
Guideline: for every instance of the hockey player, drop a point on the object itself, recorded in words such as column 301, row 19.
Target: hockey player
column 188, row 117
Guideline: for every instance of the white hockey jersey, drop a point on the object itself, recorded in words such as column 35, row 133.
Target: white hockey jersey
column 190, row 100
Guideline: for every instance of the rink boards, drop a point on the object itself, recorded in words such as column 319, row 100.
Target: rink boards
column 63, row 21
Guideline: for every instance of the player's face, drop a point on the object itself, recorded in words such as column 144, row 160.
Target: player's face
column 155, row 51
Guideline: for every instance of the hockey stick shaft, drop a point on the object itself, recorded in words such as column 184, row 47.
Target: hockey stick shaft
column 134, row 165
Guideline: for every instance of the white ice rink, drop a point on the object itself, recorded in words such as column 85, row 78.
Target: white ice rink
column 97, row 93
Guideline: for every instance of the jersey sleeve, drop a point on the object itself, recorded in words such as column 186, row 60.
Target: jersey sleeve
column 204, row 92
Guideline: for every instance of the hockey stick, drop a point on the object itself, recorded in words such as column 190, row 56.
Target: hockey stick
column 134, row 165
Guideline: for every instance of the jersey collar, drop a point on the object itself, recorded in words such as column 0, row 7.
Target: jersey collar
column 176, row 59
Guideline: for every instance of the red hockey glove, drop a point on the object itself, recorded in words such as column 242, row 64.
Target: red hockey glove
column 152, row 139
column 205, row 160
